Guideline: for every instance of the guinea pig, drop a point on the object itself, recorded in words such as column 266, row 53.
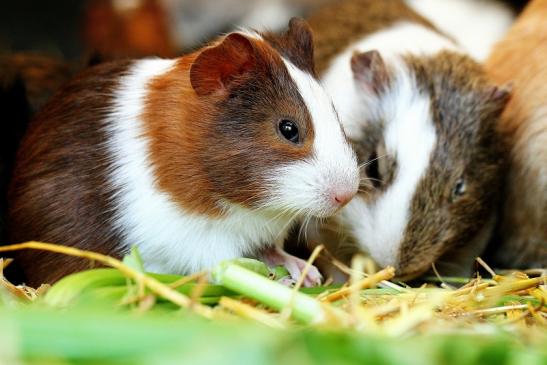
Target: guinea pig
column 194, row 160
column 521, row 58
column 422, row 116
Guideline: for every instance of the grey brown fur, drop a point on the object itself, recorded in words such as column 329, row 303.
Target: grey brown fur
column 468, row 147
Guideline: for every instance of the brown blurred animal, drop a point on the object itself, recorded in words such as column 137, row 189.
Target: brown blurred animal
column 26, row 83
column 522, row 58
column 128, row 29
column 41, row 75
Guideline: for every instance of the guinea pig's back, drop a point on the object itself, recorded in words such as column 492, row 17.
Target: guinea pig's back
column 59, row 190
column 521, row 58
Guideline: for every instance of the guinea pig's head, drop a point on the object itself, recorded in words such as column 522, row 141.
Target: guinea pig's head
column 433, row 157
column 273, row 140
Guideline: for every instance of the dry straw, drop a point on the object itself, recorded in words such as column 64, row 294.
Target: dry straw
column 369, row 303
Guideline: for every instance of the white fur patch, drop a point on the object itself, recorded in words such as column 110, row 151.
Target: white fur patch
column 251, row 33
column 475, row 24
column 309, row 184
column 409, row 137
column 171, row 240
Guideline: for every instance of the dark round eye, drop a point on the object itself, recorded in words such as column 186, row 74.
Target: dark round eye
column 372, row 170
column 289, row 130
column 441, row 116
column 459, row 189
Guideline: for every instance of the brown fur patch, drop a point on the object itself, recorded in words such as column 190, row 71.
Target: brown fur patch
column 223, row 146
column 521, row 59
column 296, row 44
column 60, row 192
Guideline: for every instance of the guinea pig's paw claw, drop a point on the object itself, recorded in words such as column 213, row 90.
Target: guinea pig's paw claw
column 294, row 265
column 287, row 281
column 313, row 278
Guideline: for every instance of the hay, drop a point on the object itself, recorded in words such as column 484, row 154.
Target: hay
column 514, row 302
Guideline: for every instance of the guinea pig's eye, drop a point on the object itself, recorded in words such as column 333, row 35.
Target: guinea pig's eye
column 441, row 116
column 289, row 130
column 372, row 170
column 459, row 189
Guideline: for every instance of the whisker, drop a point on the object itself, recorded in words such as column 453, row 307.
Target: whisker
column 366, row 179
column 365, row 164
column 290, row 221
column 301, row 229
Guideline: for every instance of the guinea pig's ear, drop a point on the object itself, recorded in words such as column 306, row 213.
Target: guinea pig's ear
column 500, row 94
column 369, row 71
column 299, row 37
column 216, row 68
column 497, row 97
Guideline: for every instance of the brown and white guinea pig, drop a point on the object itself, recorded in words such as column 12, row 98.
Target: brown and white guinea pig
column 521, row 58
column 194, row 160
column 421, row 115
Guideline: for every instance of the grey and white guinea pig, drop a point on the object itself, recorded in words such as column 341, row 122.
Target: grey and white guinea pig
column 195, row 160
column 422, row 116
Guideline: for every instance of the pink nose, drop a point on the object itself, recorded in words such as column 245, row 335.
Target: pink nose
column 342, row 198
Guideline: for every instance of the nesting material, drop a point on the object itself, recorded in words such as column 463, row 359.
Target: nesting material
column 512, row 302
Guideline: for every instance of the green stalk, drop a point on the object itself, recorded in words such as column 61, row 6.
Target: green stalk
column 234, row 277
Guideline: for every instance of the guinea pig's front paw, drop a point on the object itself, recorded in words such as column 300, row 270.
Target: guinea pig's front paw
column 295, row 266
column 287, row 281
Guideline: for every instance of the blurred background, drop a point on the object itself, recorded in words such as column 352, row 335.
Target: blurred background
column 74, row 30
